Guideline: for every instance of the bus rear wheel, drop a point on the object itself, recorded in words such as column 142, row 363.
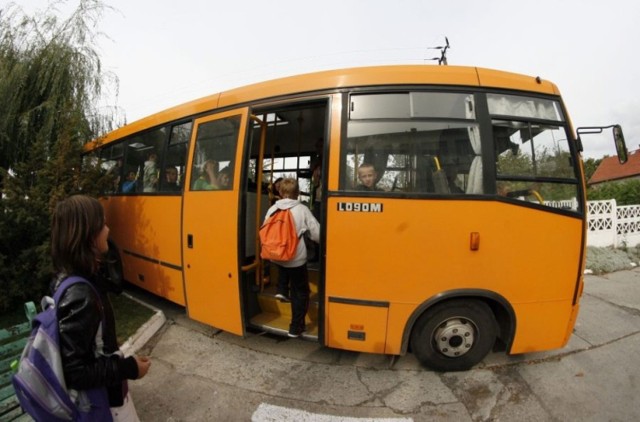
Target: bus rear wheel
column 454, row 336
column 112, row 271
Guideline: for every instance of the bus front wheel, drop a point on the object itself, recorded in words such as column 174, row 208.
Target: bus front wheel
column 454, row 336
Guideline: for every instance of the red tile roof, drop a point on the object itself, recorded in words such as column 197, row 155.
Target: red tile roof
column 610, row 169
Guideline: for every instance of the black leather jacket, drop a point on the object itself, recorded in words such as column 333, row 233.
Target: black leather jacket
column 79, row 316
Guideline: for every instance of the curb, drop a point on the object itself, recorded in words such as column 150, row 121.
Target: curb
column 145, row 332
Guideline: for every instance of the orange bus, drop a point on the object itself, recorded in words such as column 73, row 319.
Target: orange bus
column 472, row 241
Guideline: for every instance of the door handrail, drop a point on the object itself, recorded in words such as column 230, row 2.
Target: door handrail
column 257, row 263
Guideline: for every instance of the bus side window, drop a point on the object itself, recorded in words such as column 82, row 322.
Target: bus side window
column 143, row 154
column 457, row 156
column 215, row 152
column 172, row 174
column 132, row 170
column 111, row 164
column 533, row 164
column 417, row 142
column 423, row 158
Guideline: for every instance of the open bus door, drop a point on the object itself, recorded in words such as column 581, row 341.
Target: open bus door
column 210, row 223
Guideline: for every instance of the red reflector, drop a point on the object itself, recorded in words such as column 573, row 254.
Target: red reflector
column 474, row 241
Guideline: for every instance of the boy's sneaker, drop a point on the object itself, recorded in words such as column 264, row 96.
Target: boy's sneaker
column 282, row 297
column 295, row 334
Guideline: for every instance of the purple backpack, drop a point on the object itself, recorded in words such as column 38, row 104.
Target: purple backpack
column 39, row 382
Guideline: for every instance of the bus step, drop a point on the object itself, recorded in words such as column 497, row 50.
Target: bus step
column 279, row 324
column 270, row 304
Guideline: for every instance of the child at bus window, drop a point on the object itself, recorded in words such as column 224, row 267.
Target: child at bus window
column 171, row 179
column 368, row 176
column 129, row 185
column 114, row 172
column 224, row 178
column 208, row 179
column 274, row 191
column 315, row 202
column 150, row 174
column 293, row 273
column 316, row 178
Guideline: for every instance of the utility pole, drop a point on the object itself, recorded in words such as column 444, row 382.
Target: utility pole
column 442, row 60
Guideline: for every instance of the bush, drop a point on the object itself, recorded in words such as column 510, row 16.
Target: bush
column 607, row 260
column 625, row 193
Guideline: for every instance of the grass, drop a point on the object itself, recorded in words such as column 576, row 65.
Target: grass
column 130, row 315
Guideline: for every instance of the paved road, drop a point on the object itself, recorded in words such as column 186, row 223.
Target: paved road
column 199, row 373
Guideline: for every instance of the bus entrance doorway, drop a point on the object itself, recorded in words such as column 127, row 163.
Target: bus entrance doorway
column 293, row 147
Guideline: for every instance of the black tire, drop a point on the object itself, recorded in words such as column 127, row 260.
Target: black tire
column 454, row 336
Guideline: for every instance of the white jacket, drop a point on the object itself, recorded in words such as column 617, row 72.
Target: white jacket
column 304, row 221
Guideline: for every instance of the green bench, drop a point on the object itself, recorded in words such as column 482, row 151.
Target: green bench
column 12, row 341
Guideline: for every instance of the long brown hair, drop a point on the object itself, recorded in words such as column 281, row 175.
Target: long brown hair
column 76, row 223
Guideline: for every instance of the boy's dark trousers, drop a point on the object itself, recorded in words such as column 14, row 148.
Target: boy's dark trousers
column 298, row 280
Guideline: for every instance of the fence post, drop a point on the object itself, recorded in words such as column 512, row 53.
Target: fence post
column 600, row 224
column 614, row 222
column 628, row 228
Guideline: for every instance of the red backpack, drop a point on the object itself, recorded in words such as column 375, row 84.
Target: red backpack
column 278, row 237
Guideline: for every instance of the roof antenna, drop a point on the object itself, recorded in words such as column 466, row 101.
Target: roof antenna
column 442, row 60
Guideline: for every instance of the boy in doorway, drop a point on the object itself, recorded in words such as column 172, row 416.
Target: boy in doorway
column 293, row 273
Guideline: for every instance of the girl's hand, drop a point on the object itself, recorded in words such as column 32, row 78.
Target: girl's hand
column 143, row 365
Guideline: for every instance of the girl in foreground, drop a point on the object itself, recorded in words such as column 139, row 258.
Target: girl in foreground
column 79, row 237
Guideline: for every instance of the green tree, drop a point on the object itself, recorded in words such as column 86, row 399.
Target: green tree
column 50, row 81
column 590, row 166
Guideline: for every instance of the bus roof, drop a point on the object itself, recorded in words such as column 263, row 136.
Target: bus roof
column 336, row 79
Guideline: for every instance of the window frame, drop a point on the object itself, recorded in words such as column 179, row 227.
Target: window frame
column 438, row 90
column 484, row 121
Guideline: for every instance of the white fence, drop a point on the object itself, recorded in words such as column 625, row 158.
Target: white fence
column 610, row 225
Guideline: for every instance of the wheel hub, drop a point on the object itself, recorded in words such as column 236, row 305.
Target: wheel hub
column 454, row 337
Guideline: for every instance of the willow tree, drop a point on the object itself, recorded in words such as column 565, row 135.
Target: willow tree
column 50, row 83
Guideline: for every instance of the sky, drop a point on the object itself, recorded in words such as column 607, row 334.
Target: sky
column 166, row 52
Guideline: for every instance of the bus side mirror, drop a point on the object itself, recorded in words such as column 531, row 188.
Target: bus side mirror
column 621, row 146
column 618, row 139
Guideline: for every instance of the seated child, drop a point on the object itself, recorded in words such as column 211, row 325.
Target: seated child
column 368, row 177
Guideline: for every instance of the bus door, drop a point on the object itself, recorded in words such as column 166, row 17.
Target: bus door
column 210, row 222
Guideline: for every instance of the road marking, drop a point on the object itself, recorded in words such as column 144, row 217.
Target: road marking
column 270, row 413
